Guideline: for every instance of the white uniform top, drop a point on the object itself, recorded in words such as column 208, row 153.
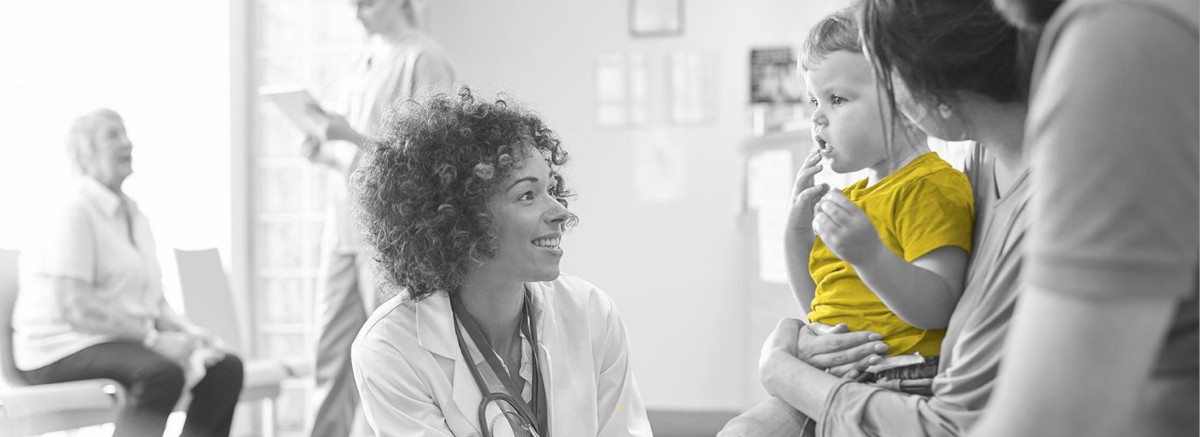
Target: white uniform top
column 387, row 73
column 413, row 379
column 88, row 240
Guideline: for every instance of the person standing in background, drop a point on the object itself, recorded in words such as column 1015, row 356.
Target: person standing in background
column 400, row 62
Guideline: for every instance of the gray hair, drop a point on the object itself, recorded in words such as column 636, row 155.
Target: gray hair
column 81, row 136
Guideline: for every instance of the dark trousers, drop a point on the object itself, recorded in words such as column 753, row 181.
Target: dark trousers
column 153, row 385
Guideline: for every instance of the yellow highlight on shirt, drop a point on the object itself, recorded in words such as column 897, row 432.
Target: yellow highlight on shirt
column 924, row 206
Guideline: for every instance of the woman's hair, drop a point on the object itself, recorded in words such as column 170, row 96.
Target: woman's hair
column 942, row 47
column 82, row 135
column 834, row 33
column 424, row 186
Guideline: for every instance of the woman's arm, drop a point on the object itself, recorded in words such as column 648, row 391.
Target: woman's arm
column 1077, row 333
column 1113, row 245
column 620, row 409
column 85, row 313
column 786, row 377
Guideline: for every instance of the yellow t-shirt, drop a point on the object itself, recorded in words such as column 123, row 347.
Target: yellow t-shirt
column 925, row 205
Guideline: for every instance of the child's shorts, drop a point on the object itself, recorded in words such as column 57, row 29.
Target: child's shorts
column 914, row 378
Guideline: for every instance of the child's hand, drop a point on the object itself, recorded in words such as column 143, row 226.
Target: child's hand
column 845, row 228
column 804, row 198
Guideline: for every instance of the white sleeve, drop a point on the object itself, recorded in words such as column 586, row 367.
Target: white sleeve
column 395, row 400
column 620, row 411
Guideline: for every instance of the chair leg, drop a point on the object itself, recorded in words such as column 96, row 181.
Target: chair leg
column 268, row 417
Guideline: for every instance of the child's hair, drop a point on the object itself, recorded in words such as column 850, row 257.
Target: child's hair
column 834, row 33
column 839, row 32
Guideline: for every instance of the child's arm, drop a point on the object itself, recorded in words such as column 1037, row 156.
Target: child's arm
column 923, row 293
column 798, row 238
column 796, row 250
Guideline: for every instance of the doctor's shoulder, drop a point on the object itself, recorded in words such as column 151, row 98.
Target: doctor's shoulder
column 390, row 329
column 575, row 298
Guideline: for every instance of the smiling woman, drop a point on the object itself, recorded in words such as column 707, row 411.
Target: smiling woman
column 463, row 201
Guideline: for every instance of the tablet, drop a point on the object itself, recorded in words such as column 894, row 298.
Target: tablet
column 295, row 103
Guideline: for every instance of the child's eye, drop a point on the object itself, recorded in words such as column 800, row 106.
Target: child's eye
column 812, row 101
column 837, row 100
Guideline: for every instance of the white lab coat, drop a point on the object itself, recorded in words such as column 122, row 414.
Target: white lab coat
column 414, row 382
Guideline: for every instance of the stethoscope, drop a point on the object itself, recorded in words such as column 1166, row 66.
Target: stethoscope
column 523, row 413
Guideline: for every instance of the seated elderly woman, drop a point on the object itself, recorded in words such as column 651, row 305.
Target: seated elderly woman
column 91, row 304
column 464, row 202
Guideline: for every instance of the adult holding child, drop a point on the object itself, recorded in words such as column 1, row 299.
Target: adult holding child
column 951, row 68
column 464, row 201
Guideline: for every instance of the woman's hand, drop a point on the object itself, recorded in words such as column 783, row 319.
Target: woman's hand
column 333, row 126
column 837, row 350
column 175, row 345
column 804, row 198
column 846, row 230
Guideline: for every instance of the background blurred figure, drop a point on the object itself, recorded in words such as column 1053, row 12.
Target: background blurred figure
column 1113, row 134
column 91, row 303
column 401, row 62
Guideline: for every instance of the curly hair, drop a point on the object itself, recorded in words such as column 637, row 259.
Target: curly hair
column 423, row 187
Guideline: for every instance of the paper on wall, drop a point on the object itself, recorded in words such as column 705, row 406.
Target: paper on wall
column 659, row 164
column 769, row 185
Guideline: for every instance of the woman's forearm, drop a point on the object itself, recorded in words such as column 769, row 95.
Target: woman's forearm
column 919, row 296
column 802, row 386
column 797, row 251
column 84, row 313
column 1093, row 355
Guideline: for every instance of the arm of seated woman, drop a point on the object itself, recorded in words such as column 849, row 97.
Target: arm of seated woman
column 85, row 312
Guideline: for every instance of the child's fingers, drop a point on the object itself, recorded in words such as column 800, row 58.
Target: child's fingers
column 836, row 212
column 809, row 197
column 804, row 178
column 812, row 159
column 825, row 226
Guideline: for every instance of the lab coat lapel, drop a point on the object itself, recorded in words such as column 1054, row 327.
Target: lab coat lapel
column 435, row 332
column 543, row 316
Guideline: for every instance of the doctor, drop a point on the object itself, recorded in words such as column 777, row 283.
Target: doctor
column 463, row 200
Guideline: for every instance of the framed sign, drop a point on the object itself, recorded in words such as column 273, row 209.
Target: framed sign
column 655, row 17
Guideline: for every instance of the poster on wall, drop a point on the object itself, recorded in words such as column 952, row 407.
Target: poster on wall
column 775, row 77
column 655, row 17
column 622, row 89
column 768, row 186
column 693, row 87
column 659, row 164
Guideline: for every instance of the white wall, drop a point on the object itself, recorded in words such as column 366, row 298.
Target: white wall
column 676, row 270
column 164, row 65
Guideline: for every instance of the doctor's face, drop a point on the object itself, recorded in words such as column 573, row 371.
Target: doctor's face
column 528, row 222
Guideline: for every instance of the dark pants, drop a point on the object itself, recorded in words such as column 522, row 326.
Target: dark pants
column 153, row 385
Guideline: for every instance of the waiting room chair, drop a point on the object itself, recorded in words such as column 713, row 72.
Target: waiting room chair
column 208, row 302
column 36, row 409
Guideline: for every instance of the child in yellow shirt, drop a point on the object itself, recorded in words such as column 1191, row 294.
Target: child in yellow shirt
column 887, row 254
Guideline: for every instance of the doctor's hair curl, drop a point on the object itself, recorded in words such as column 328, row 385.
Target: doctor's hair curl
column 423, row 187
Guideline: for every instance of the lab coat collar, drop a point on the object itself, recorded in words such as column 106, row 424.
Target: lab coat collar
column 435, row 333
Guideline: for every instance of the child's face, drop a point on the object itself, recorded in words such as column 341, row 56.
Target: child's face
column 847, row 126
